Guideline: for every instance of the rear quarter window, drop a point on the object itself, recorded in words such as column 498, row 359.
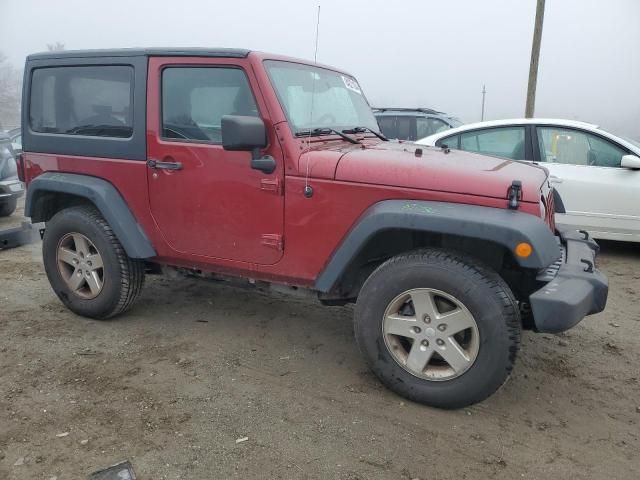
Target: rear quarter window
column 82, row 100
column 426, row 126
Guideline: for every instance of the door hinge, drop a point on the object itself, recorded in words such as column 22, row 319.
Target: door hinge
column 273, row 240
column 271, row 185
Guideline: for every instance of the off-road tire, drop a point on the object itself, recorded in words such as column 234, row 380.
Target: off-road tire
column 7, row 207
column 123, row 276
column 486, row 296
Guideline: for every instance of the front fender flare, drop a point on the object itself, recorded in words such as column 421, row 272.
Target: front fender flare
column 504, row 227
column 106, row 199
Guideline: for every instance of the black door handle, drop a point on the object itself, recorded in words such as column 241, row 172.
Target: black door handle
column 164, row 165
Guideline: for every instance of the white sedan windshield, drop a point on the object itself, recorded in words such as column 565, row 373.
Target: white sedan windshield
column 314, row 97
column 631, row 141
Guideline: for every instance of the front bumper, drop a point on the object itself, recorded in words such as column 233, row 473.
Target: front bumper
column 10, row 188
column 574, row 287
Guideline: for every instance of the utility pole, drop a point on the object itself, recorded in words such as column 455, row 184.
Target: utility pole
column 535, row 55
column 484, row 93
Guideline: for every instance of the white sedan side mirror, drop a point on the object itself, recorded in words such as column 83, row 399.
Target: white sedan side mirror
column 630, row 161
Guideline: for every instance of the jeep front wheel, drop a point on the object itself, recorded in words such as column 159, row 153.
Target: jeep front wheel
column 438, row 327
column 87, row 266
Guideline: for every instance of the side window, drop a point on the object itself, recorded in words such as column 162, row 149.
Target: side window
column 505, row 142
column 452, row 142
column 428, row 126
column 387, row 125
column 403, row 125
column 194, row 100
column 90, row 101
column 563, row 145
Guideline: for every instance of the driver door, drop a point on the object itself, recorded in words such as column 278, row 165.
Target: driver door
column 207, row 201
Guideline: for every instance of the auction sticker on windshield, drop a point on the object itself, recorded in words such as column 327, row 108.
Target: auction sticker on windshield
column 351, row 84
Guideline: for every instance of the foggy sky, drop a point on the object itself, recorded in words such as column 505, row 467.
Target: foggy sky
column 433, row 53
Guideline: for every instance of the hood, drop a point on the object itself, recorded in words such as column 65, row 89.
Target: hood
column 397, row 164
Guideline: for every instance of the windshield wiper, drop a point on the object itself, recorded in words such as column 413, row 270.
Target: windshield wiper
column 324, row 131
column 366, row 129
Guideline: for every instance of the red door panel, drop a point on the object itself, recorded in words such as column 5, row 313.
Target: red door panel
column 215, row 205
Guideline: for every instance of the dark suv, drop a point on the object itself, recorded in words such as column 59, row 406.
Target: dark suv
column 212, row 162
column 413, row 123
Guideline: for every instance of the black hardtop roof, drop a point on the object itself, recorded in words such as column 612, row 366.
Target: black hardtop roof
column 137, row 52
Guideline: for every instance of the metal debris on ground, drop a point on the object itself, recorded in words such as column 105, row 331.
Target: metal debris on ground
column 120, row 471
column 243, row 439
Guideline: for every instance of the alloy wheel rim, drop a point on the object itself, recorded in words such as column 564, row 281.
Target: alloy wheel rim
column 431, row 334
column 80, row 265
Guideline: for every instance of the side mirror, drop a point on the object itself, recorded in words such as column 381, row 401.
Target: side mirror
column 244, row 133
column 630, row 161
column 241, row 133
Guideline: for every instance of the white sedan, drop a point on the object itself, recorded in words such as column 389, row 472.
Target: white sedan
column 596, row 173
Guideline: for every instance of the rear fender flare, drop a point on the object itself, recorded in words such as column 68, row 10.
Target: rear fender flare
column 100, row 193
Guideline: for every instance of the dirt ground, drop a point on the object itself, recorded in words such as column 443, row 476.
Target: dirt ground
column 195, row 366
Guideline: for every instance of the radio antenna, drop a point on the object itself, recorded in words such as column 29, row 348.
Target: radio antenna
column 308, row 191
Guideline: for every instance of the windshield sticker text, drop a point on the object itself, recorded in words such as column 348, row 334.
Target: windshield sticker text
column 351, row 84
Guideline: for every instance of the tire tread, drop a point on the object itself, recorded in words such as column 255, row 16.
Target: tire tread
column 132, row 276
column 476, row 272
column 132, row 271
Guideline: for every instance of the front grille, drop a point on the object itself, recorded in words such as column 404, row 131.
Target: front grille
column 550, row 208
column 549, row 273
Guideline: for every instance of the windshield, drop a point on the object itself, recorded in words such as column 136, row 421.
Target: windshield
column 631, row 141
column 338, row 102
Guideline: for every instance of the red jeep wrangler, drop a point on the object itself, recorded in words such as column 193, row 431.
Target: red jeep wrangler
column 237, row 164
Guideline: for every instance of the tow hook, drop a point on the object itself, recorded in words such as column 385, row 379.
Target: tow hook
column 589, row 265
column 515, row 194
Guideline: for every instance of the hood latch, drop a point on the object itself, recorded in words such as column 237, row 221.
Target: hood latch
column 515, row 194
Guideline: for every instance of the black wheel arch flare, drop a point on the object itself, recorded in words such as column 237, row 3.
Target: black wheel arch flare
column 504, row 227
column 100, row 193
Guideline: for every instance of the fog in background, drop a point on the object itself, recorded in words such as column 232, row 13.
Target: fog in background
column 430, row 53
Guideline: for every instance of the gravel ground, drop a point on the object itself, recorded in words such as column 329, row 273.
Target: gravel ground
column 195, row 366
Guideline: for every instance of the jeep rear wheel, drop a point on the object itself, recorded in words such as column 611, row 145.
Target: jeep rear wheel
column 87, row 266
column 438, row 327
